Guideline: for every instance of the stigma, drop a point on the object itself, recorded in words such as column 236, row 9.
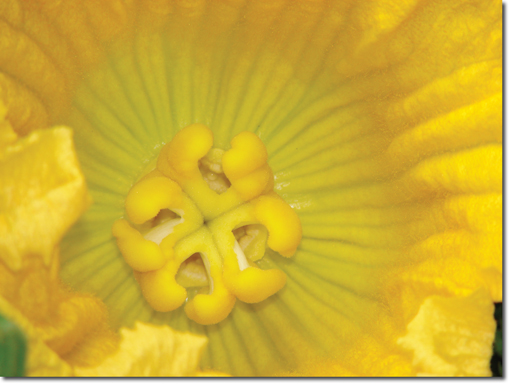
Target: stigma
column 196, row 226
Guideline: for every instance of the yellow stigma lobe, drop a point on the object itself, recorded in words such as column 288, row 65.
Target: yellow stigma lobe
column 149, row 196
column 140, row 254
column 281, row 221
column 248, row 282
column 212, row 308
column 160, row 288
column 247, row 154
column 252, row 284
column 185, row 150
column 215, row 306
column 217, row 206
column 179, row 160
column 245, row 165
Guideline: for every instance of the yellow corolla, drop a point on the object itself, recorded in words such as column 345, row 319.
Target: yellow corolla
column 198, row 187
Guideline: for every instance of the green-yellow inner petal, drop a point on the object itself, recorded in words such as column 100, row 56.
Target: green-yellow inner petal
column 122, row 117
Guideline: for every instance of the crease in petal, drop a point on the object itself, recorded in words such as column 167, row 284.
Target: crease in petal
column 7, row 134
column 150, row 350
column 25, row 109
column 452, row 336
column 43, row 193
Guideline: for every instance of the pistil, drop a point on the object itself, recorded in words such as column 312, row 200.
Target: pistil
column 216, row 205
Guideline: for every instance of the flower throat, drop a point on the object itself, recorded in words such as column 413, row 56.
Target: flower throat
column 201, row 219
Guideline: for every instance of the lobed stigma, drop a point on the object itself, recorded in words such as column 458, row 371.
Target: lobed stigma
column 198, row 222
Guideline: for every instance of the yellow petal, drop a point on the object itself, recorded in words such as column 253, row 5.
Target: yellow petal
column 150, row 350
column 41, row 361
column 43, row 193
column 452, row 336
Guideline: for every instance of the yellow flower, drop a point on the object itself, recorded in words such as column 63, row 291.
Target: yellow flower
column 382, row 122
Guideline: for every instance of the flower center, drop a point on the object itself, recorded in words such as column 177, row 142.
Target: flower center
column 201, row 219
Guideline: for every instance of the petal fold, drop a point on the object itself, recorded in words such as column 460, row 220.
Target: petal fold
column 452, row 337
column 41, row 361
column 150, row 350
column 43, row 193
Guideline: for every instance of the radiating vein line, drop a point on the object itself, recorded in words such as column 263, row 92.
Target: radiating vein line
column 130, row 137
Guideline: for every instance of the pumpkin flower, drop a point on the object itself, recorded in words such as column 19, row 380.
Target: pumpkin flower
column 253, row 188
